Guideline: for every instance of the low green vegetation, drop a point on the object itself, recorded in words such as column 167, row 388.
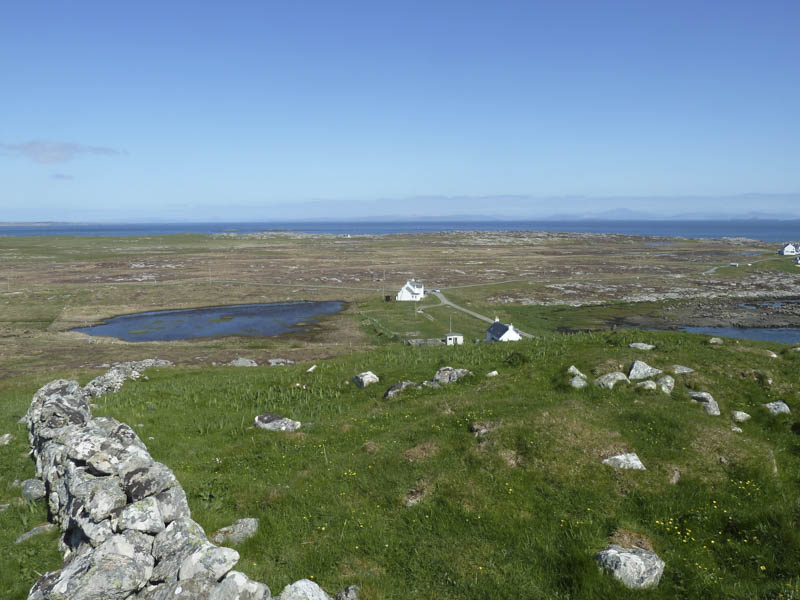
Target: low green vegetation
column 517, row 512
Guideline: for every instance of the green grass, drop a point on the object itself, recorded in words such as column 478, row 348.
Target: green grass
column 517, row 514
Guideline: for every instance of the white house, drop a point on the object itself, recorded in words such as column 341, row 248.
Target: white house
column 454, row 339
column 412, row 291
column 500, row 332
column 788, row 250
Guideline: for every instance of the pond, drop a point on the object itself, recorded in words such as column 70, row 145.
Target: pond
column 255, row 320
column 784, row 335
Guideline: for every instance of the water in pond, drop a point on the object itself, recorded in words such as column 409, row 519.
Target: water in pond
column 784, row 335
column 214, row 321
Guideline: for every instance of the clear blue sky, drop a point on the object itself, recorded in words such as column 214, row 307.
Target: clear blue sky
column 208, row 110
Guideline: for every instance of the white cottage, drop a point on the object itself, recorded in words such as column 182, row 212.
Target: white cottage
column 788, row 250
column 412, row 291
column 500, row 332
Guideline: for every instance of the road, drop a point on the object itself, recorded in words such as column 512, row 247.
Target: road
column 443, row 299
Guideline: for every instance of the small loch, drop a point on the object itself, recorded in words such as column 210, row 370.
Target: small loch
column 255, row 320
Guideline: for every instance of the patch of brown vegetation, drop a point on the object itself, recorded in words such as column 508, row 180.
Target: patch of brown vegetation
column 371, row 446
column 421, row 451
column 630, row 539
column 607, row 366
column 511, row 458
column 417, row 494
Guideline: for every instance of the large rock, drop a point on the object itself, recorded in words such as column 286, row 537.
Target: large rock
column 142, row 516
column 237, row 586
column 38, row 530
column 208, row 562
column 633, row 567
column 450, row 375
column 649, row 385
column 172, row 504
column 641, row 370
column 707, row 400
column 666, row 383
column 609, row 380
column 33, row 490
column 173, row 545
column 715, row 340
column 399, row 388
column 625, row 461
column 777, row 408
column 364, row 379
column 578, row 382
column 739, row 417
column 243, row 362
column 573, row 370
column 238, row 532
column 273, row 422
column 641, row 346
column 305, row 589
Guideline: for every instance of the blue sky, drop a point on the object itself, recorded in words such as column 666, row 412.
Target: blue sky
column 259, row 110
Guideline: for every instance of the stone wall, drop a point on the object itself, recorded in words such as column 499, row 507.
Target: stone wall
column 126, row 527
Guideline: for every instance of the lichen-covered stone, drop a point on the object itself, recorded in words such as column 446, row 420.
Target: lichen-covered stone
column 635, row 568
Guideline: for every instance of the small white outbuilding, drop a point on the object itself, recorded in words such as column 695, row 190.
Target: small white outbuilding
column 500, row 332
column 454, row 339
column 412, row 291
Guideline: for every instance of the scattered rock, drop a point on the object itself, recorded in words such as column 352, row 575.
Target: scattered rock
column 511, row 458
column 4, row 507
column 280, row 362
column 450, row 375
column 273, row 422
column 243, row 362
column 479, row 428
column 647, row 385
column 625, row 461
column 311, row 369
column 641, row 370
column 715, row 340
column 6, row 439
column 489, row 374
column 238, row 532
column 641, row 346
column 351, row 592
column 305, row 589
column 398, row 388
column 635, row 568
column 777, row 408
column 33, row 490
column 609, row 380
column 416, row 495
column 681, row 370
column 573, row 370
column 735, row 429
column 666, row 383
column 38, row 530
column 237, row 586
column 362, row 380
column 739, row 417
column 578, row 382
column 707, row 400
column 431, row 384
column 371, row 446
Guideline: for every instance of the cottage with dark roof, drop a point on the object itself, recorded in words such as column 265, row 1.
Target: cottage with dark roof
column 500, row 332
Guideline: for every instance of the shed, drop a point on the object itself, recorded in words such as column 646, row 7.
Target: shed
column 454, row 339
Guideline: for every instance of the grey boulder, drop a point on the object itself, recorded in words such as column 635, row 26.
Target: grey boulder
column 399, row 388
column 681, row 370
column 707, row 400
column 573, row 370
column 739, row 416
column 238, row 532
column 237, row 586
column 33, row 490
column 609, row 380
column 666, row 383
column 578, row 382
column 641, row 370
column 635, row 568
column 777, row 408
column 364, row 379
column 641, row 346
column 243, row 362
column 273, row 422
column 450, row 375
column 625, row 461
column 5, row 439
column 305, row 589
column 649, row 385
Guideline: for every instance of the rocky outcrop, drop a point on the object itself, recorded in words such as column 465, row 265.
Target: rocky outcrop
column 126, row 526
column 399, row 388
column 707, row 400
column 635, row 568
column 450, row 375
column 778, row 408
column 625, row 461
column 238, row 532
column 113, row 379
column 273, row 422
column 641, row 370
column 242, row 362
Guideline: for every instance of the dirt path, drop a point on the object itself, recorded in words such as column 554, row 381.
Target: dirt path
column 444, row 301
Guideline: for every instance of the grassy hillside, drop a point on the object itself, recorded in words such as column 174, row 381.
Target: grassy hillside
column 515, row 513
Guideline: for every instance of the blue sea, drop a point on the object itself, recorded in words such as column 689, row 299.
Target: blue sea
column 767, row 229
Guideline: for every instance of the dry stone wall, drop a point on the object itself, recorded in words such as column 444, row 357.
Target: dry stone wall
column 126, row 527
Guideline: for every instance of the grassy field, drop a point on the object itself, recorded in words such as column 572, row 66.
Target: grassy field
column 516, row 513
